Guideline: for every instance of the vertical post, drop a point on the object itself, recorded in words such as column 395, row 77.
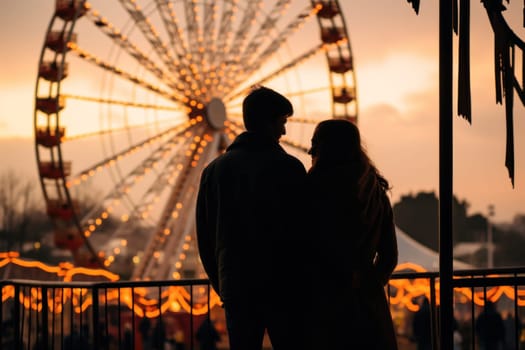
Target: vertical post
column 95, row 321
column 445, row 175
column 490, row 238
column 44, row 338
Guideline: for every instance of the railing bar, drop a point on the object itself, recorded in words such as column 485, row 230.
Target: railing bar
column 45, row 319
column 16, row 324
column 191, row 317
column 71, row 317
column 473, row 318
column 159, row 304
column 1, row 314
column 516, row 319
column 62, row 318
column 30, row 317
column 96, row 327
column 80, row 316
column 53, row 312
column 112, row 284
column 118, row 319
column 132, row 318
column 433, row 318
column 488, row 281
column 106, row 317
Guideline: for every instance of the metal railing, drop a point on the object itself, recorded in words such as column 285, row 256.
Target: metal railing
column 167, row 314
column 102, row 315
column 474, row 290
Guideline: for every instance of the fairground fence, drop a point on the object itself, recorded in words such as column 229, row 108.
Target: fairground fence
column 172, row 314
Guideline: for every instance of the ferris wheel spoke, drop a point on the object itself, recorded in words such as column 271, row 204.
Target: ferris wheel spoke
column 173, row 207
column 171, row 95
column 134, row 177
column 252, row 58
column 251, row 51
column 131, row 49
column 281, row 38
column 151, row 34
column 223, row 34
column 283, row 69
column 69, row 138
column 209, row 28
column 193, row 29
column 141, row 212
column 169, row 20
column 178, row 233
column 122, row 103
column 241, row 35
column 92, row 170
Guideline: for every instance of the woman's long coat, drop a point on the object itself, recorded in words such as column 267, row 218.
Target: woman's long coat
column 354, row 258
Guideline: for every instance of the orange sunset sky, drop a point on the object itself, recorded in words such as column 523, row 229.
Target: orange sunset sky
column 396, row 64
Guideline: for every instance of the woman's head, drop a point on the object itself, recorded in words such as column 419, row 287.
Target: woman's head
column 336, row 141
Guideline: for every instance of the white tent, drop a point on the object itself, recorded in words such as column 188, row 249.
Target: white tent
column 414, row 252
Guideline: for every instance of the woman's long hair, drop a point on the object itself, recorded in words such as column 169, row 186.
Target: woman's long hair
column 338, row 142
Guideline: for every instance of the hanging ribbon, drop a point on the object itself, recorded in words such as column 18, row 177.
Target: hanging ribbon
column 464, row 92
column 415, row 5
column 504, row 60
column 505, row 44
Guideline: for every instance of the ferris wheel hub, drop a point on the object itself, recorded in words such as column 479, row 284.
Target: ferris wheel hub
column 216, row 113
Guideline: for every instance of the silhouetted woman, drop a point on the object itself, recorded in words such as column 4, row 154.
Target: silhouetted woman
column 354, row 242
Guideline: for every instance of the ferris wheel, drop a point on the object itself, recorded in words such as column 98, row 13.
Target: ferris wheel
column 133, row 98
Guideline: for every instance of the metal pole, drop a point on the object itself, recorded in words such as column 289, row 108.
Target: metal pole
column 490, row 238
column 445, row 175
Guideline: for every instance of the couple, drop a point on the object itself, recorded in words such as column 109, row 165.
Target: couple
column 302, row 255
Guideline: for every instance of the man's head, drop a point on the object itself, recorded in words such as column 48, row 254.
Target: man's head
column 265, row 111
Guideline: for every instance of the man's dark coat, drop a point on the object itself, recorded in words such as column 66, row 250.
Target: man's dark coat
column 247, row 219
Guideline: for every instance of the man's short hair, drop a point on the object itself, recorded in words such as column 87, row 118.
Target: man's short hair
column 263, row 105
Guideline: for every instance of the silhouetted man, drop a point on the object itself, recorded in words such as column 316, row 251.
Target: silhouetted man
column 490, row 328
column 247, row 227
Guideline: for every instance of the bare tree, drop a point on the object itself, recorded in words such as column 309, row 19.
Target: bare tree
column 17, row 207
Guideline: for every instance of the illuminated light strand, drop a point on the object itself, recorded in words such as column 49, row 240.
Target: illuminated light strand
column 115, row 200
column 231, row 131
column 122, row 103
column 169, row 211
column 136, row 175
column 152, row 35
column 180, row 237
column 122, row 41
column 130, row 77
column 294, row 62
column 243, row 59
column 183, row 194
column 406, row 292
column 81, row 299
column 82, row 176
column 276, row 44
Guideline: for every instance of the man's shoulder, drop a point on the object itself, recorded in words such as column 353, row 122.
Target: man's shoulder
column 295, row 161
column 290, row 163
